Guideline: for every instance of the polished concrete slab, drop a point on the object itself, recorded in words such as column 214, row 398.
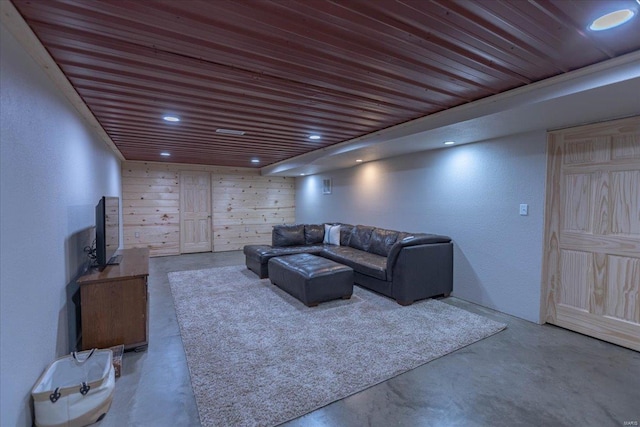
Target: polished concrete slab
column 527, row 375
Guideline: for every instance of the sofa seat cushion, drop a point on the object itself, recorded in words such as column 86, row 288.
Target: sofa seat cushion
column 362, row 262
column 264, row 252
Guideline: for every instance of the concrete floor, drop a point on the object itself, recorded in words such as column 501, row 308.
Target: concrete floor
column 527, row 375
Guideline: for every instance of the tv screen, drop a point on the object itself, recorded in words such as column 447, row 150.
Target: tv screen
column 107, row 231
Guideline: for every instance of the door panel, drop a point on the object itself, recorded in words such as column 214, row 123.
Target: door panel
column 577, row 202
column 575, row 269
column 195, row 212
column 591, row 272
column 622, row 296
column 626, row 203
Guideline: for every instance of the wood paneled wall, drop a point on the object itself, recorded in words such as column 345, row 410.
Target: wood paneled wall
column 245, row 206
column 151, row 207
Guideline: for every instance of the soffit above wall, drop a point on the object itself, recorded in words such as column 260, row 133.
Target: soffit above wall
column 601, row 92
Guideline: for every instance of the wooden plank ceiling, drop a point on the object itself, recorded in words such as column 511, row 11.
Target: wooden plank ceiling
column 284, row 70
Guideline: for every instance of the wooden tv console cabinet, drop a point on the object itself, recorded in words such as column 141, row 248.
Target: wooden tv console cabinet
column 114, row 303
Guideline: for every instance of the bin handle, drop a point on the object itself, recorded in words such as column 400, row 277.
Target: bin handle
column 53, row 397
column 84, row 388
column 75, row 357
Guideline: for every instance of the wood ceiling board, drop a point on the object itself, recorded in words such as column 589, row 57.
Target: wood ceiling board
column 204, row 127
column 264, row 32
column 517, row 48
column 281, row 70
column 356, row 79
column 164, row 66
column 162, row 83
column 273, row 147
column 428, row 23
column 156, row 147
column 401, row 44
column 128, row 32
column 90, row 66
column 340, row 119
column 223, row 106
column 308, row 36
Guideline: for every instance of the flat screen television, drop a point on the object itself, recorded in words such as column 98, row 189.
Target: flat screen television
column 107, row 231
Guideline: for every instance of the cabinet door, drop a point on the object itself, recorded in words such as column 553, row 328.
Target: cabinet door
column 114, row 313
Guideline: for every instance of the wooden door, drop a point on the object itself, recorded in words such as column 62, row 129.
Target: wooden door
column 591, row 271
column 195, row 212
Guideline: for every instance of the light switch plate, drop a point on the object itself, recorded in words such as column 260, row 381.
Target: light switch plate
column 524, row 209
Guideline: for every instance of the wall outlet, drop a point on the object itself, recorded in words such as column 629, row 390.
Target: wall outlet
column 246, row 229
column 137, row 234
column 524, row 209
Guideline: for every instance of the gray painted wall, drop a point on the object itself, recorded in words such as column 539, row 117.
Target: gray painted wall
column 53, row 171
column 471, row 193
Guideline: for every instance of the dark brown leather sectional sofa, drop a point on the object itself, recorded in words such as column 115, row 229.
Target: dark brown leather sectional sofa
column 404, row 266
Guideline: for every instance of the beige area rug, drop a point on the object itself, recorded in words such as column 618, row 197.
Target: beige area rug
column 259, row 357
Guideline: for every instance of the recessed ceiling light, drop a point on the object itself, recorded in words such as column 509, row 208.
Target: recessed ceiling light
column 165, row 154
column 171, row 119
column 255, row 161
column 449, row 143
column 230, row 132
column 612, row 20
column 359, row 161
column 301, row 174
column 314, row 137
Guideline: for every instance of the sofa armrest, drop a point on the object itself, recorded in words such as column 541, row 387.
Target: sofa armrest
column 256, row 250
column 422, row 271
column 415, row 240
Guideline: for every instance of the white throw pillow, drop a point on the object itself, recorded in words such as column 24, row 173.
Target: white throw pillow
column 331, row 234
column 327, row 231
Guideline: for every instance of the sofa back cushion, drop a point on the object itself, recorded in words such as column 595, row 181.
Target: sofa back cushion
column 287, row 235
column 313, row 233
column 360, row 237
column 382, row 240
column 345, row 234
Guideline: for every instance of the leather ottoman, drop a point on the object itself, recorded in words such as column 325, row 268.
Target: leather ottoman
column 310, row 278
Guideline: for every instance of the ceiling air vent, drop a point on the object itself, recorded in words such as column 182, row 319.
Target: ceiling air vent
column 230, row 131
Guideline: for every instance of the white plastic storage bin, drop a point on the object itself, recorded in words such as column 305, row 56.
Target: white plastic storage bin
column 75, row 390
